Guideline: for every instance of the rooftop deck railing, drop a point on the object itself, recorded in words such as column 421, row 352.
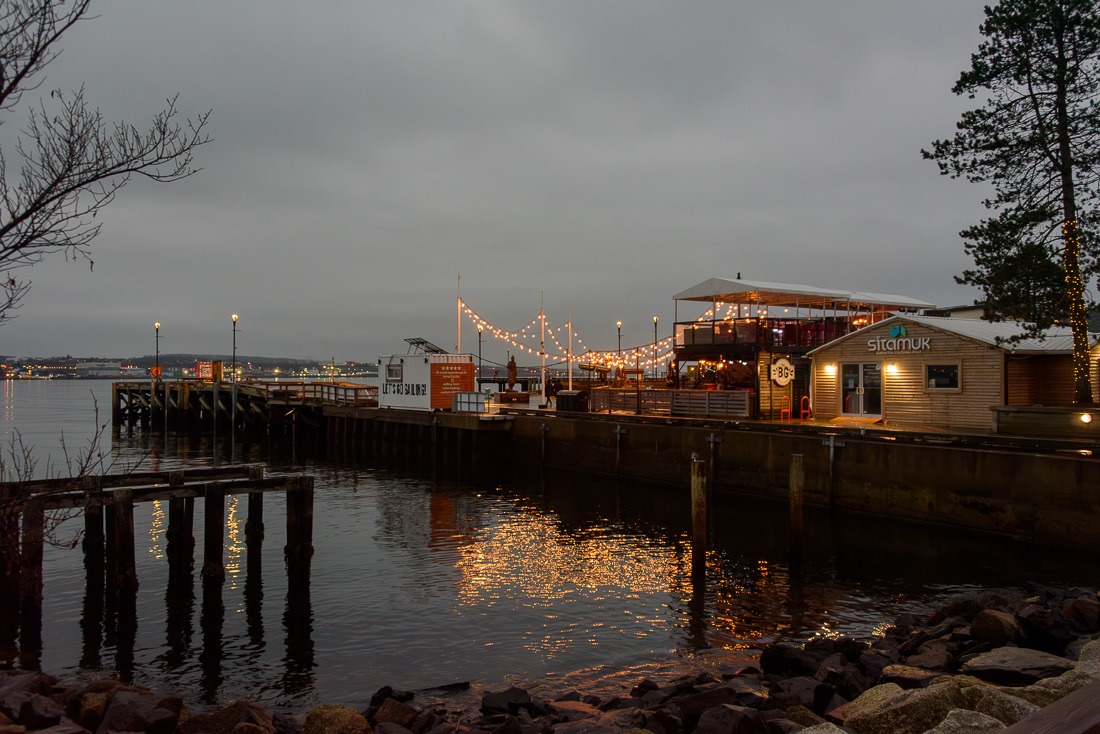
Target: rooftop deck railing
column 770, row 333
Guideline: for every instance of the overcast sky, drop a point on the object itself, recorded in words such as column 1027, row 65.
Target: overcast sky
column 606, row 155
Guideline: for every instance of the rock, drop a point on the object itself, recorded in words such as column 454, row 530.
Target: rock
column 227, row 719
column 789, row 658
column 782, row 726
column 906, row 712
column 574, row 710
column 393, row 711
column 932, row 655
column 643, row 688
column 961, row 721
column 1045, row 630
column 334, row 719
column 748, row 691
column 995, row 627
column 990, row 701
column 39, row 712
column 847, row 681
column 505, row 702
column 1015, row 666
column 907, row 677
column 1085, row 611
column 729, row 719
column 64, row 726
column 825, row 728
column 872, row 663
column 693, row 705
column 141, row 711
column 802, row 715
column 390, row 727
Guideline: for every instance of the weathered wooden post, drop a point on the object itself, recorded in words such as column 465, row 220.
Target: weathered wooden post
column 698, row 517
column 125, row 578
column 92, row 545
column 213, row 532
column 796, row 482
column 10, row 555
column 299, row 519
column 30, row 617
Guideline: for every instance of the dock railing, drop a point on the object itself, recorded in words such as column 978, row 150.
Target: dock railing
column 338, row 393
column 686, row 403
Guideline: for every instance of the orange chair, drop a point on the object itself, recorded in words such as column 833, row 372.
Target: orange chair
column 785, row 408
column 804, row 408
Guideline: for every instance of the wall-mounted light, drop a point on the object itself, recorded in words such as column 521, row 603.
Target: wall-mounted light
column 1086, row 417
column 830, row 369
column 892, row 369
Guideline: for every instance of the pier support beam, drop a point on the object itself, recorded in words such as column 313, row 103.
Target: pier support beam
column 213, row 533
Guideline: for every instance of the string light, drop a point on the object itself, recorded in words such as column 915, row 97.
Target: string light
column 1078, row 314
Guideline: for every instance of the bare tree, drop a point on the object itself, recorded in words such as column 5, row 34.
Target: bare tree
column 68, row 162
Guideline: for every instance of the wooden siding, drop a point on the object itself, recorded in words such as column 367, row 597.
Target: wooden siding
column 905, row 398
column 771, row 395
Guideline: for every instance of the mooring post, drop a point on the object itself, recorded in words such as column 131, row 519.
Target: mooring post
column 93, row 545
column 698, row 517
column 619, row 433
column 299, row 519
column 797, row 480
column 125, row 577
column 33, row 536
column 213, row 532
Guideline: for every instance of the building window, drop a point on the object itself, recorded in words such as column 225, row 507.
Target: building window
column 393, row 372
column 941, row 377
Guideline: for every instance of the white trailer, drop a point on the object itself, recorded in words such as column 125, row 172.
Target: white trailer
column 424, row 381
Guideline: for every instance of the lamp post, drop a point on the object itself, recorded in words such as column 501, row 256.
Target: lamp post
column 234, row 368
column 156, row 368
column 655, row 320
column 619, row 356
column 479, row 327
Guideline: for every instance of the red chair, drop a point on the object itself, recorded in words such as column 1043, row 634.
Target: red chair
column 804, row 408
column 785, row 408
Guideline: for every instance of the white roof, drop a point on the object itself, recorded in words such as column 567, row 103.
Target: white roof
column 790, row 294
column 1057, row 339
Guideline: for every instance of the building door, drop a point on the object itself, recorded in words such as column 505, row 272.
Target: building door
column 861, row 389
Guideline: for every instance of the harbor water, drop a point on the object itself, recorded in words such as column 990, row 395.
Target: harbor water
column 542, row 580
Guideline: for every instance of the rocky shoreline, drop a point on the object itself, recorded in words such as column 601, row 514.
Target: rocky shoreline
column 980, row 663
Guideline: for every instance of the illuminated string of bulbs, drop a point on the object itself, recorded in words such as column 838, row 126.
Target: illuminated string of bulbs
column 527, row 339
column 1078, row 314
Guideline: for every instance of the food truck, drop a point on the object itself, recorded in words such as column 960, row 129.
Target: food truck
column 427, row 379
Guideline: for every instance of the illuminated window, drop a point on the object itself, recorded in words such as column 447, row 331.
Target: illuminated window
column 941, row 376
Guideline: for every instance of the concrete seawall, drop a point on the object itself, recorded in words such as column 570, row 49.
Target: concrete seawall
column 1050, row 499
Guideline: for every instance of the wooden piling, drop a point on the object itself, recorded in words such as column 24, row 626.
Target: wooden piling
column 213, row 532
column 125, row 576
column 299, row 518
column 92, row 545
column 796, row 484
column 698, row 517
column 33, row 538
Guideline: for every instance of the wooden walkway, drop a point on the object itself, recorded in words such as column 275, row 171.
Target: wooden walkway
column 107, row 506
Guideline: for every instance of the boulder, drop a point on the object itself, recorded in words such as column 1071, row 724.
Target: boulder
column 825, row 728
column 1000, row 705
column 907, row 676
column 905, row 712
column 729, row 719
column 227, row 719
column 961, row 721
column 393, row 711
column 505, row 702
column 141, row 711
column 748, row 691
column 334, row 719
column 1045, row 629
column 389, row 727
column 1085, row 611
column 995, row 627
column 573, row 710
column 1015, row 666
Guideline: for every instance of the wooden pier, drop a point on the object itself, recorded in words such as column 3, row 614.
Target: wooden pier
column 210, row 405
column 107, row 505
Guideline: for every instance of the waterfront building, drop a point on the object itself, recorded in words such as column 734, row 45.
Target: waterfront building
column 942, row 372
column 755, row 336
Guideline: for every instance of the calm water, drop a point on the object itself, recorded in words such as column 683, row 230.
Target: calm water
column 415, row 583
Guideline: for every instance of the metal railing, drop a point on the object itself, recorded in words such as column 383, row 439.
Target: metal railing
column 334, row 393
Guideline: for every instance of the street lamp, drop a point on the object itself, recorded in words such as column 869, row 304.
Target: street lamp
column 619, row 357
column 156, row 369
column 234, row 347
column 479, row 357
column 655, row 320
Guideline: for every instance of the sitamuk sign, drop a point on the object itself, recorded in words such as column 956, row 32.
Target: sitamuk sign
column 899, row 341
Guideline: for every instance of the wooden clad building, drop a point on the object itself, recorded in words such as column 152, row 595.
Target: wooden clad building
column 941, row 372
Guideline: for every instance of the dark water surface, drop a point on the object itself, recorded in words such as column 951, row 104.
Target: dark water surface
column 417, row 583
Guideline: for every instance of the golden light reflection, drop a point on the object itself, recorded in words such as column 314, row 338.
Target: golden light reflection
column 234, row 541
column 156, row 531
